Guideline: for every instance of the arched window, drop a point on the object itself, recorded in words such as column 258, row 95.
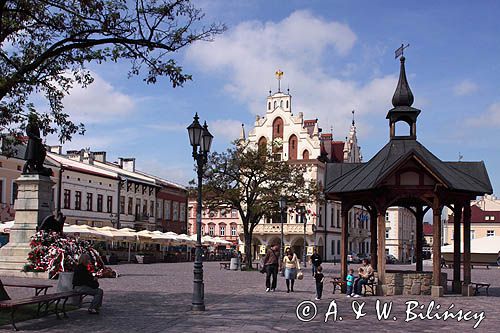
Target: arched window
column 287, row 104
column 263, row 143
column 275, row 104
column 281, row 103
column 292, row 147
column 277, row 128
column 269, row 105
column 305, row 155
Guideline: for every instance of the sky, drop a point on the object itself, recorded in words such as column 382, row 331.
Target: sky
column 336, row 56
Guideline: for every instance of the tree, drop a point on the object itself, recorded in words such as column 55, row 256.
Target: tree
column 251, row 181
column 47, row 44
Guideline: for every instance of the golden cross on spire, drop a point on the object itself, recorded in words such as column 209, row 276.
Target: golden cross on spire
column 279, row 74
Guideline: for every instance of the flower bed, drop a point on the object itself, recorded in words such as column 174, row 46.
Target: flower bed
column 53, row 253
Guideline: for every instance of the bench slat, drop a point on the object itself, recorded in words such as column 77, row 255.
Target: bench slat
column 37, row 299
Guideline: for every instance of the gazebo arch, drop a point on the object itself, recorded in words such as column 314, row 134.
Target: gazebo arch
column 404, row 173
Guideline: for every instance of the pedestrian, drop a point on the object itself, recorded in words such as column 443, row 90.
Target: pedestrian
column 315, row 261
column 365, row 274
column 320, row 278
column 86, row 283
column 291, row 264
column 270, row 264
column 350, row 283
column 239, row 257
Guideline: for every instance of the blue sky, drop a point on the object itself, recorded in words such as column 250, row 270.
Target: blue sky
column 336, row 56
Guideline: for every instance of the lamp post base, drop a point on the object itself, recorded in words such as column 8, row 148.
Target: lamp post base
column 198, row 307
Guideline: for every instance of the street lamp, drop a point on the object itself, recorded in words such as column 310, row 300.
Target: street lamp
column 282, row 204
column 302, row 211
column 201, row 140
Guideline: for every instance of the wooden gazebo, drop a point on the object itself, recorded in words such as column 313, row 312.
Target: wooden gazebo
column 405, row 174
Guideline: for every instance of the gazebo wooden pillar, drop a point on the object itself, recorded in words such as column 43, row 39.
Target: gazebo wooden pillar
column 457, row 219
column 419, row 234
column 437, row 289
column 344, row 214
column 373, row 238
column 467, row 267
column 381, row 250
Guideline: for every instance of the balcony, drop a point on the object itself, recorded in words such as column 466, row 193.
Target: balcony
column 275, row 228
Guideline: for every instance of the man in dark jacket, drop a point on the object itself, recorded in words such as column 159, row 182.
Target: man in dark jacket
column 315, row 261
column 271, row 262
column 84, row 282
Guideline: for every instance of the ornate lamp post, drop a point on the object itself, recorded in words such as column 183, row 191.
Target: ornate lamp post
column 302, row 211
column 282, row 204
column 201, row 140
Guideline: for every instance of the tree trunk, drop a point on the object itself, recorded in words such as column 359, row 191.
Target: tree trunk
column 248, row 250
column 3, row 293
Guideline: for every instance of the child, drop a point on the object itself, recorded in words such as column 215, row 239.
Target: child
column 319, row 277
column 350, row 282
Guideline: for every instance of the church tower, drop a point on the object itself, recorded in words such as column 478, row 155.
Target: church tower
column 352, row 152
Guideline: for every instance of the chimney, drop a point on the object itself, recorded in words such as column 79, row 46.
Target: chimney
column 88, row 156
column 100, row 156
column 75, row 155
column 127, row 163
column 56, row 149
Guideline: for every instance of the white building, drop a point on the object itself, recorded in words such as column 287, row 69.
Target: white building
column 301, row 141
column 400, row 233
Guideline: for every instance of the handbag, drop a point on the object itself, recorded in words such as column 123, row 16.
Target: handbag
column 300, row 275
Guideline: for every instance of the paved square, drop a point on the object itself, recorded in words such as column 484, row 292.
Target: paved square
column 157, row 298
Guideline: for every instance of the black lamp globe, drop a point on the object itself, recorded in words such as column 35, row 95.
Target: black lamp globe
column 206, row 139
column 195, row 132
column 282, row 202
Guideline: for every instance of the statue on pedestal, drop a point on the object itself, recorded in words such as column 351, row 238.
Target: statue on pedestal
column 51, row 223
column 35, row 150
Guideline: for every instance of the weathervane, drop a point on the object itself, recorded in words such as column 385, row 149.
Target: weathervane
column 399, row 52
column 460, row 156
column 352, row 117
column 279, row 74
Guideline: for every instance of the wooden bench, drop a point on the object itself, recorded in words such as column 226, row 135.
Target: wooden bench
column 477, row 286
column 224, row 265
column 42, row 301
column 39, row 288
column 337, row 283
column 372, row 285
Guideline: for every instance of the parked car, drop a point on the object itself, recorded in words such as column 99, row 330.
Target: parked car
column 390, row 259
column 353, row 258
column 362, row 256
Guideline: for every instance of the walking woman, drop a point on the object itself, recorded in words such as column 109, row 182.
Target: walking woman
column 291, row 264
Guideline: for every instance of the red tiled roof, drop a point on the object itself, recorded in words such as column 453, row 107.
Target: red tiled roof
column 428, row 230
column 337, row 154
column 479, row 216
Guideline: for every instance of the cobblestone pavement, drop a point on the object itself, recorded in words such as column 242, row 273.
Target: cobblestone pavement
column 157, row 298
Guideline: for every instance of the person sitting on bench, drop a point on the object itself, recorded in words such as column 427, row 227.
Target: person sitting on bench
column 366, row 272
column 84, row 282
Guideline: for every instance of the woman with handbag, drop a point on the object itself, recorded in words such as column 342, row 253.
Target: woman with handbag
column 291, row 264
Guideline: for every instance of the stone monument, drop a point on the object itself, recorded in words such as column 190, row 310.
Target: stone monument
column 33, row 204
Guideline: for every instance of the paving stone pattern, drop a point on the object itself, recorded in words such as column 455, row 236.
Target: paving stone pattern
column 157, row 298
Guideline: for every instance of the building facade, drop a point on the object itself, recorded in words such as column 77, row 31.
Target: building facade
column 485, row 218
column 400, row 233
column 301, row 141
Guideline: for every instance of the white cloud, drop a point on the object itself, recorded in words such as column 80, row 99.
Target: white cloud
column 489, row 118
column 466, row 87
column 226, row 129
column 99, row 102
column 180, row 174
column 249, row 54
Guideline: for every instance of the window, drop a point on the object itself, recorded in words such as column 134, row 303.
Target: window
column 386, row 233
column 234, row 213
column 490, row 233
column 99, row 202
column 175, row 211
column 387, row 216
column 1, row 191
column 14, row 192
column 275, row 104
column 320, row 215
column 233, row 230
column 223, row 212
column 333, row 247
column 67, row 198
column 331, row 219
column 287, row 104
column 487, row 218
column 130, row 206
column 157, row 211
column 109, row 204
column 152, row 208
column 145, row 208
column 137, row 207
column 338, row 218
column 222, row 230
column 269, row 105
column 211, row 229
column 338, row 247
column 182, row 212
column 89, row 201
column 168, row 216
column 492, row 218
column 78, row 200
column 122, row 204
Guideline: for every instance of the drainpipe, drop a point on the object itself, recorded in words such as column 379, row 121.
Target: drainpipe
column 118, row 205
column 58, row 206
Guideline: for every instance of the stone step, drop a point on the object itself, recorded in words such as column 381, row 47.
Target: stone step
column 13, row 259
column 12, row 265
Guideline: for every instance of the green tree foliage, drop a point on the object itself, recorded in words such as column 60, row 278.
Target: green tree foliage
column 251, row 181
column 46, row 46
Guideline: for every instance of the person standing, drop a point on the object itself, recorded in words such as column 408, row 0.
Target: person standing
column 84, row 282
column 320, row 278
column 315, row 261
column 291, row 264
column 270, row 263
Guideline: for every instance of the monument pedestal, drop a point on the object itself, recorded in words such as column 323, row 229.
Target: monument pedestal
column 33, row 204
